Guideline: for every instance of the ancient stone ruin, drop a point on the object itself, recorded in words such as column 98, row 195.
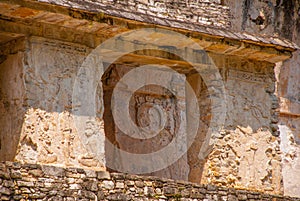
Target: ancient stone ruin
column 149, row 100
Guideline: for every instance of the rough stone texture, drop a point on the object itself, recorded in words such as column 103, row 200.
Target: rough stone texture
column 243, row 158
column 48, row 132
column 151, row 107
column 289, row 129
column 11, row 94
column 246, row 153
column 113, row 16
column 206, row 12
column 51, row 65
column 279, row 18
column 289, row 92
column 49, row 94
column 42, row 182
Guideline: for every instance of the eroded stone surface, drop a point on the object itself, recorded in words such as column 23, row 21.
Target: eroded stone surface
column 50, row 74
column 243, row 158
column 159, row 114
column 49, row 133
column 11, row 103
column 290, row 147
column 212, row 13
column 279, row 18
column 246, row 153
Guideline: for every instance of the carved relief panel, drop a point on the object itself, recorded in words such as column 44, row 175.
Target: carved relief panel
column 157, row 112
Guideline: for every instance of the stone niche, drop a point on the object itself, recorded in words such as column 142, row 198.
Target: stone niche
column 152, row 108
column 37, row 123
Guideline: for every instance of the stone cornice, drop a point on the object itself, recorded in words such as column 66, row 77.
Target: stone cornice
column 90, row 28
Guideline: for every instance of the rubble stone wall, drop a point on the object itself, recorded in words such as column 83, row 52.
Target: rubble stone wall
column 41, row 182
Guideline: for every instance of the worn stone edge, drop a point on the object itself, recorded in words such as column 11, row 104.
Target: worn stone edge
column 111, row 12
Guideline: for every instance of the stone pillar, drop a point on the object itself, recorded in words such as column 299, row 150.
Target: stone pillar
column 12, row 94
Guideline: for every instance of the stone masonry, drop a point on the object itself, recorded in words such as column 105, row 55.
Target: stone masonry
column 41, row 182
column 205, row 12
column 43, row 46
column 280, row 18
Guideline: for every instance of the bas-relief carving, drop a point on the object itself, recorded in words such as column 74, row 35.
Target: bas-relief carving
column 248, row 103
column 246, row 154
column 154, row 114
column 49, row 134
column 247, row 76
column 160, row 113
column 48, row 84
column 152, row 108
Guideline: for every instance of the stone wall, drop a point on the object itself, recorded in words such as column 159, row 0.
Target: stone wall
column 290, row 147
column 280, row 18
column 11, row 95
column 41, row 182
column 48, row 132
column 246, row 152
column 50, row 136
column 205, row 12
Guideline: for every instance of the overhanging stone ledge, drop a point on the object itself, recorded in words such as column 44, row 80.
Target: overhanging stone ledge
column 91, row 28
